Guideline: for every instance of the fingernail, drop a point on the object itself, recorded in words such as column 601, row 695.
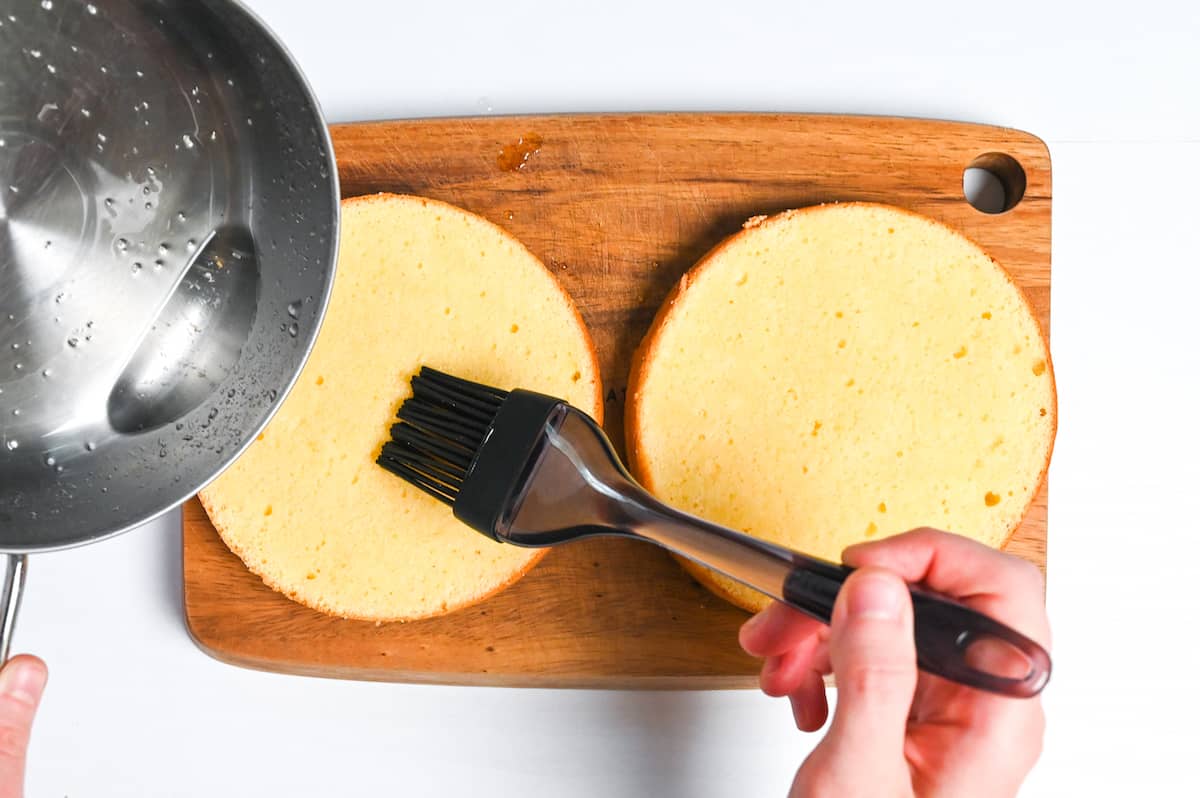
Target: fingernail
column 875, row 596
column 753, row 622
column 23, row 682
column 748, row 631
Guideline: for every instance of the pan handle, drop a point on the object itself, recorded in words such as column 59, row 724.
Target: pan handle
column 10, row 599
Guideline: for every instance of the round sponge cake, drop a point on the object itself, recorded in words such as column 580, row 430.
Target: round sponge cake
column 418, row 283
column 842, row 373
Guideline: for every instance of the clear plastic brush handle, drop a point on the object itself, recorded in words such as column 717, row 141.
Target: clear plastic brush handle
column 578, row 487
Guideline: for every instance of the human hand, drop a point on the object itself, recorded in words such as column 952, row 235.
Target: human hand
column 21, row 683
column 897, row 731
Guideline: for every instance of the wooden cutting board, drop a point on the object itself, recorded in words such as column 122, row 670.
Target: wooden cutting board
column 618, row 207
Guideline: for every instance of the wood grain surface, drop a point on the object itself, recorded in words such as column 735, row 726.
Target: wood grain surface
column 618, row 207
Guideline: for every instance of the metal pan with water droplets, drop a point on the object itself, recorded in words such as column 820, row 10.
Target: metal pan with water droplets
column 164, row 167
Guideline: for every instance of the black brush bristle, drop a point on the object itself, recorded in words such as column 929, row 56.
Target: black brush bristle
column 442, row 425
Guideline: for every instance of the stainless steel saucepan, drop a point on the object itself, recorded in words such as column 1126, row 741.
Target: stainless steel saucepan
column 168, row 231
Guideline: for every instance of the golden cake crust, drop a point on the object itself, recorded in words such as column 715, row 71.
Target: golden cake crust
column 224, row 530
column 230, row 525
column 650, row 349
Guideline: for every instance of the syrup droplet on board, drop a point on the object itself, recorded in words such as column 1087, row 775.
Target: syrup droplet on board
column 515, row 156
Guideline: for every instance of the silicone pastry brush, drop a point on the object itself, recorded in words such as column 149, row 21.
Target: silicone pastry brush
column 531, row 470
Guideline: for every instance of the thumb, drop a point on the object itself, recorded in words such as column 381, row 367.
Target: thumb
column 874, row 662
column 21, row 683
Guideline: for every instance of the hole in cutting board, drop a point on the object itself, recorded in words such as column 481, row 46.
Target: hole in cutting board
column 994, row 183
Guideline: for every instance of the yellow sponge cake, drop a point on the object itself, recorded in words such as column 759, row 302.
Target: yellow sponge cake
column 418, row 283
column 842, row 373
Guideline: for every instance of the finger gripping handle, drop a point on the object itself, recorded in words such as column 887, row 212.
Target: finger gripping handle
column 952, row 640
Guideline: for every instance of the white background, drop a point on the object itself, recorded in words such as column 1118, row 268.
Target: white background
column 1114, row 88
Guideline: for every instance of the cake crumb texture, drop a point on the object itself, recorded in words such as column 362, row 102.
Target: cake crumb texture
column 418, row 282
column 842, row 373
